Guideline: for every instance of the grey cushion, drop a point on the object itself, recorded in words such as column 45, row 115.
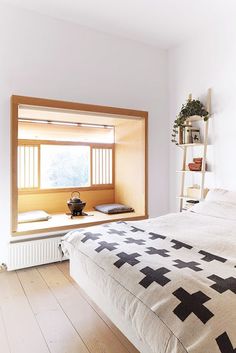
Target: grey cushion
column 112, row 208
column 33, row 216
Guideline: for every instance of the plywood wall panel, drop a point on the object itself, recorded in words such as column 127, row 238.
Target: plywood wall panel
column 130, row 164
column 56, row 202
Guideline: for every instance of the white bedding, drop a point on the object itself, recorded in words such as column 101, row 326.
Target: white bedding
column 154, row 310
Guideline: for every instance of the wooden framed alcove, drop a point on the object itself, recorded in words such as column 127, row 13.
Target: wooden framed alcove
column 130, row 171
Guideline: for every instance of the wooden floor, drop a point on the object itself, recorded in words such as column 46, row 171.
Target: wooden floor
column 43, row 310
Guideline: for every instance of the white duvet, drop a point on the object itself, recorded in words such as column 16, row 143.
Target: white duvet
column 178, row 291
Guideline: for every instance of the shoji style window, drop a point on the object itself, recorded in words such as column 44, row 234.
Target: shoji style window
column 28, row 166
column 64, row 163
column 60, row 166
column 102, row 165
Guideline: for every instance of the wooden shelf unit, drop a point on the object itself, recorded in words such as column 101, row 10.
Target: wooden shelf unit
column 185, row 148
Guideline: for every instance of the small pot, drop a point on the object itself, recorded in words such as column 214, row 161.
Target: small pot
column 75, row 204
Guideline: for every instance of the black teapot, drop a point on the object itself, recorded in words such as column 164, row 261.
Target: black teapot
column 75, row 204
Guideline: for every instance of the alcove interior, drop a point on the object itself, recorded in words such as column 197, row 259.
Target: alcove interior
column 129, row 185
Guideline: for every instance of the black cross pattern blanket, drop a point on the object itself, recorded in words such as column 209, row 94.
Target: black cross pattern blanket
column 174, row 278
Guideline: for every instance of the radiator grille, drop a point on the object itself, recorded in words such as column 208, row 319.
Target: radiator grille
column 32, row 253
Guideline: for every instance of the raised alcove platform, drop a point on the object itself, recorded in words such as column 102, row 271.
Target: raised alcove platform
column 129, row 185
column 60, row 221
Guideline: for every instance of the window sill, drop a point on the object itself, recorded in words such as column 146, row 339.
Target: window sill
column 61, row 221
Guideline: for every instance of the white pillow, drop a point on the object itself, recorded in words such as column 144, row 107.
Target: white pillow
column 33, row 216
column 220, row 209
column 221, row 195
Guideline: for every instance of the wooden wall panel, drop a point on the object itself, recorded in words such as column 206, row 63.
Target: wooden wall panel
column 56, row 202
column 130, row 166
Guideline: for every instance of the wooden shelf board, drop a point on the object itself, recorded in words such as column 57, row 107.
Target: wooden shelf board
column 190, row 144
column 191, row 171
column 189, row 198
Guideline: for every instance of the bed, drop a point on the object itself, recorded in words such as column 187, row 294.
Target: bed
column 169, row 283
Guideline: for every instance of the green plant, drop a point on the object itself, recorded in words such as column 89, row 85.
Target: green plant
column 192, row 107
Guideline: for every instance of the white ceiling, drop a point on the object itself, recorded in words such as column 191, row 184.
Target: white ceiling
column 162, row 23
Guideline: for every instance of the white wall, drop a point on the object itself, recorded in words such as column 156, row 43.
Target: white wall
column 208, row 60
column 43, row 57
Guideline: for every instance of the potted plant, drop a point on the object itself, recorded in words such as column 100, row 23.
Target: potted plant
column 191, row 108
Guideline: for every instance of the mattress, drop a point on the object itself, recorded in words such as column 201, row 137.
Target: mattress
column 172, row 279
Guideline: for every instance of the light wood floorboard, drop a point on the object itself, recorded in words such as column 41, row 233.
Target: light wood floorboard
column 95, row 333
column 22, row 330
column 3, row 336
column 58, row 331
column 42, row 310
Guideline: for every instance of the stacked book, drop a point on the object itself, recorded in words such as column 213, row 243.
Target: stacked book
column 189, row 204
column 189, row 134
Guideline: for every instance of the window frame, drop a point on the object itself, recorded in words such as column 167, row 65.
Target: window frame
column 99, row 110
column 39, row 143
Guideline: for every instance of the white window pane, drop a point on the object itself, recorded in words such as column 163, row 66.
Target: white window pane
column 65, row 166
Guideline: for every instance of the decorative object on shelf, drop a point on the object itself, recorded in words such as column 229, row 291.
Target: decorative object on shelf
column 196, row 165
column 189, row 204
column 194, row 191
column 193, row 167
column 187, row 133
column 195, row 135
column 193, row 111
column 193, row 108
column 75, row 205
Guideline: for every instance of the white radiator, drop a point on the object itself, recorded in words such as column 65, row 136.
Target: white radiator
column 33, row 252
